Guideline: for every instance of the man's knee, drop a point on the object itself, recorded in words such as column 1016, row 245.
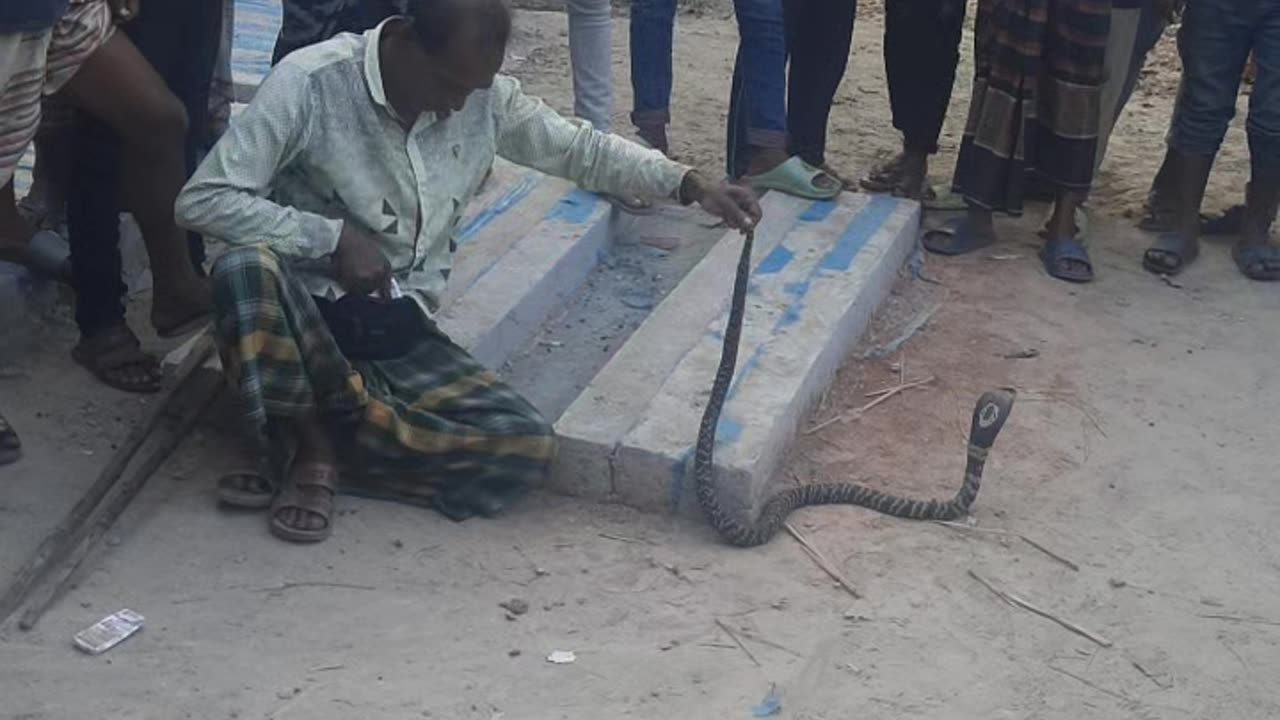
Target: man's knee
column 240, row 272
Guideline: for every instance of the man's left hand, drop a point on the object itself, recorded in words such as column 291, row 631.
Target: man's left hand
column 125, row 10
column 734, row 204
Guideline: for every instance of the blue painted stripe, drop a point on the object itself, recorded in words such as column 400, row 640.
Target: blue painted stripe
column 818, row 211
column 575, row 207
column 859, row 232
column 512, row 196
column 775, row 261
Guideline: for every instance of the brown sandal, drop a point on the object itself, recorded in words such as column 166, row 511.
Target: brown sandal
column 115, row 357
column 310, row 488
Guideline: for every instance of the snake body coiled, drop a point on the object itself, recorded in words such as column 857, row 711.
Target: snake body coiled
column 988, row 418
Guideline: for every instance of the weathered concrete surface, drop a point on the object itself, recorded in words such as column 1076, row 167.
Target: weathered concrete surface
column 820, row 271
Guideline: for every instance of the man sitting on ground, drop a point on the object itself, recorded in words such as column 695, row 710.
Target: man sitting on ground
column 343, row 183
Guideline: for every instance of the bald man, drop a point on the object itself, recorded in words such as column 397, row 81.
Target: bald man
column 343, row 183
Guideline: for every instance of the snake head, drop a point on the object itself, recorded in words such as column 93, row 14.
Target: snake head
column 989, row 416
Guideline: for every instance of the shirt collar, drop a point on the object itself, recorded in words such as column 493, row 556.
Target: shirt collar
column 373, row 64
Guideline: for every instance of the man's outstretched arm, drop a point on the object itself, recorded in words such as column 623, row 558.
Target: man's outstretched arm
column 534, row 135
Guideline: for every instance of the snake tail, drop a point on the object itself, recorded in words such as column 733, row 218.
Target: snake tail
column 989, row 417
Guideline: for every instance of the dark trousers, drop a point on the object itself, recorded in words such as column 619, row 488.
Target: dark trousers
column 180, row 39
column 921, row 51
column 819, row 35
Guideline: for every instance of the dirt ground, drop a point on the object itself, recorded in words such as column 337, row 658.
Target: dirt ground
column 1138, row 453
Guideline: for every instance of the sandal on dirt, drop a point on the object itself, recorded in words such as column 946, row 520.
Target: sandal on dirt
column 115, row 357
column 1227, row 222
column 794, row 177
column 955, row 237
column 887, row 178
column 1257, row 261
column 310, row 488
column 248, row 489
column 10, row 445
column 1170, row 254
column 1062, row 258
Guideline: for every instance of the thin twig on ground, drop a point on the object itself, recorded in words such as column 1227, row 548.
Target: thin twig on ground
column 1119, row 696
column 821, row 561
column 1019, row 602
column 1066, row 398
column 1149, row 675
column 737, row 641
column 846, row 417
column 294, row 585
column 765, row 641
column 623, row 539
column 900, row 387
column 1239, row 619
column 1011, row 533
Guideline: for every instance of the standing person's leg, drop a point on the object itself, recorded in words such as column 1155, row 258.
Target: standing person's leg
column 1214, row 43
column 1115, row 66
column 10, row 445
column 22, row 69
column 306, row 22
column 1151, row 25
column 652, row 32
column 189, row 69
column 117, row 84
column 756, row 137
column 921, row 53
column 591, row 54
column 1254, row 253
column 222, row 90
column 819, row 37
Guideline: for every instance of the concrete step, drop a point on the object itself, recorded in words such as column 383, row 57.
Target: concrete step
column 525, row 243
column 820, row 270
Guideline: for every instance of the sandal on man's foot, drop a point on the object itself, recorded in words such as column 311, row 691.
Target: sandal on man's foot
column 1171, row 253
column 115, row 357
column 246, row 489
column 795, row 177
column 10, row 445
column 956, row 237
column 1257, row 261
column 308, row 493
column 1066, row 259
column 1227, row 222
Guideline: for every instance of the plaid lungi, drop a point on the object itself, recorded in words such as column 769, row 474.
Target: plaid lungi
column 432, row 428
column 1036, row 98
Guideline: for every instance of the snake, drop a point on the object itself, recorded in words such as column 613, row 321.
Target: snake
column 737, row 527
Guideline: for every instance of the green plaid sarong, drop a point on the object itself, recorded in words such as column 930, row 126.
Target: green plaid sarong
column 431, row 428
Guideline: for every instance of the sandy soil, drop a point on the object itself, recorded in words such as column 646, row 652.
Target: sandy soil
column 1139, row 452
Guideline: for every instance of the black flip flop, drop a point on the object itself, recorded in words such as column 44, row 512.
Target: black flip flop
column 1172, row 245
column 1257, row 261
column 955, row 237
column 1056, row 250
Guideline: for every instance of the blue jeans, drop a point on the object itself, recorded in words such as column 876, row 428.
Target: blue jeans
column 1214, row 42
column 757, row 102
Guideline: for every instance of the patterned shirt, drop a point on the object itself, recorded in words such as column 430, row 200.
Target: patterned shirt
column 320, row 146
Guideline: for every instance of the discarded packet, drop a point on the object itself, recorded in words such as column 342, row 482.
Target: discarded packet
column 108, row 632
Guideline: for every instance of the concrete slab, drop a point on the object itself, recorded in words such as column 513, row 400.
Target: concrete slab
column 525, row 243
column 820, row 271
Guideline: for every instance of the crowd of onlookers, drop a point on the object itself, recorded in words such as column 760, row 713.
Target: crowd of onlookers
column 122, row 98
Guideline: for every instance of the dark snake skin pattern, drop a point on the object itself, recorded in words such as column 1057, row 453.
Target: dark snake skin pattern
column 988, row 418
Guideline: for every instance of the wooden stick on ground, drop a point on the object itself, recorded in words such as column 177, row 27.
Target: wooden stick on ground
column 738, row 642
column 821, row 561
column 1010, row 533
column 846, row 417
column 54, row 546
column 201, row 394
column 1019, row 602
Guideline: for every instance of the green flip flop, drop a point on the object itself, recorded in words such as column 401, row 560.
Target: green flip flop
column 794, row 177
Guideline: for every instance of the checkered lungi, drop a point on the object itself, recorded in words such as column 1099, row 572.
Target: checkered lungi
column 35, row 65
column 432, row 428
